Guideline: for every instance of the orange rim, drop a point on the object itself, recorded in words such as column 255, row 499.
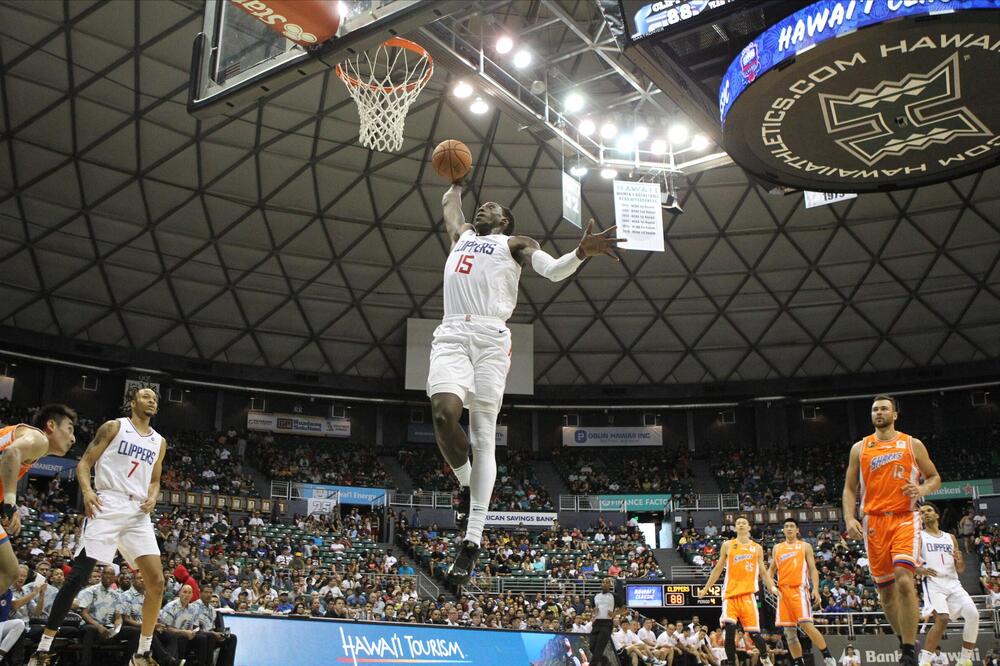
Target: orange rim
column 398, row 42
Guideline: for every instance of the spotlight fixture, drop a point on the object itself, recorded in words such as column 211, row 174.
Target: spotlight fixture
column 608, row 174
column 522, row 58
column 462, row 90
column 641, row 133
column 700, row 142
column 586, row 127
column 625, row 143
column 574, row 102
column 608, row 130
column 578, row 171
column 479, row 107
column 505, row 44
column 678, row 134
column 658, row 147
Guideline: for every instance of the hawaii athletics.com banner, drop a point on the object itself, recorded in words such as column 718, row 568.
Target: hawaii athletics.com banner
column 646, row 436
column 322, row 641
column 296, row 424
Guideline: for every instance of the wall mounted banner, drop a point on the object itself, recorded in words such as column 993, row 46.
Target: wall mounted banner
column 423, row 433
column 639, row 215
column 645, row 436
column 323, row 641
column 54, row 466
column 816, row 103
column 297, row 424
column 633, row 502
column 572, row 206
column 963, row 489
column 348, row 494
column 521, row 518
column 321, row 506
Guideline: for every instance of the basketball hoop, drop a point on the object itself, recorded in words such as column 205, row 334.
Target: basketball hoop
column 384, row 84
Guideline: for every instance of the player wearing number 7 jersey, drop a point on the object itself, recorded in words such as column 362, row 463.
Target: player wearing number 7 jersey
column 886, row 468
column 470, row 352
column 127, row 458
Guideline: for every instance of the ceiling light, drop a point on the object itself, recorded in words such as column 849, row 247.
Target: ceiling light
column 625, row 143
column 522, row 58
column 608, row 174
column 479, row 106
column 640, row 133
column 462, row 90
column 578, row 171
column 574, row 102
column 505, row 44
column 587, row 127
column 678, row 134
column 608, row 130
column 658, row 147
column 700, row 142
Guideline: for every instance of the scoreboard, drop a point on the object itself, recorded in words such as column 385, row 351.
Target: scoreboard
column 646, row 17
column 670, row 595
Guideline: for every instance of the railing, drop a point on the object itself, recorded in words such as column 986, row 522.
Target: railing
column 546, row 586
column 585, row 503
column 281, row 489
column 426, row 588
column 689, row 572
column 430, row 500
column 708, row 502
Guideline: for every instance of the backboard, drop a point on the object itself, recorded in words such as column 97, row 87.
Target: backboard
column 238, row 59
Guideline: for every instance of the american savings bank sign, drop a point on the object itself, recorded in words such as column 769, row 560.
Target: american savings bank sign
column 868, row 95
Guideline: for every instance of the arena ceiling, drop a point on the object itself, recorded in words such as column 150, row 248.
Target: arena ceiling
column 271, row 238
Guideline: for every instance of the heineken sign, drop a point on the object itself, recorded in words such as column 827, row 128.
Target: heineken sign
column 867, row 95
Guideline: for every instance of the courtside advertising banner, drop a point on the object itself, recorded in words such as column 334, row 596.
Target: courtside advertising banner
column 296, row 424
column 639, row 215
column 633, row 502
column 270, row 641
column 645, row 436
column 348, row 494
column 521, row 518
column 423, row 433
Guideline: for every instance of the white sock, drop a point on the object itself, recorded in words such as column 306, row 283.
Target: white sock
column 482, row 436
column 463, row 473
column 925, row 657
column 45, row 643
column 967, row 653
column 145, row 644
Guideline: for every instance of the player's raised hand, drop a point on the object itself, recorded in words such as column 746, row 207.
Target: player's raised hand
column 593, row 244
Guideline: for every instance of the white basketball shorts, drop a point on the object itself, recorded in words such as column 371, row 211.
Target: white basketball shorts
column 470, row 357
column 121, row 525
column 945, row 596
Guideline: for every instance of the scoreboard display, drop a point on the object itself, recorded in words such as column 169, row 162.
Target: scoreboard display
column 671, row 595
column 644, row 18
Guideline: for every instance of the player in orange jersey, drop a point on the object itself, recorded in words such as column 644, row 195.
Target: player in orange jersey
column 21, row 445
column 798, row 590
column 743, row 560
column 885, row 469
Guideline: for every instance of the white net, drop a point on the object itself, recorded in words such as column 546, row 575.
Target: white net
column 384, row 83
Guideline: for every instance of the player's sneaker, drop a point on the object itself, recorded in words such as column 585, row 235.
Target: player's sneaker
column 963, row 662
column 465, row 562
column 42, row 659
column 829, row 661
column 766, row 661
column 144, row 659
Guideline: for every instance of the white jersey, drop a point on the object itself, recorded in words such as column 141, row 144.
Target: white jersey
column 480, row 277
column 126, row 466
column 938, row 553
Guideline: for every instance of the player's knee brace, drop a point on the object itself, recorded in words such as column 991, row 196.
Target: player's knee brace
column 791, row 635
column 970, row 631
column 759, row 643
column 83, row 566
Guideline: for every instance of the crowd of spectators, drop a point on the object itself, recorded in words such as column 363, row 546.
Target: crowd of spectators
column 317, row 460
column 625, row 470
column 516, row 488
column 556, row 554
column 208, row 462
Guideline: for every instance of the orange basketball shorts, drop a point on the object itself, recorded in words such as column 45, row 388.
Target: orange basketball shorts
column 891, row 540
column 741, row 609
column 794, row 606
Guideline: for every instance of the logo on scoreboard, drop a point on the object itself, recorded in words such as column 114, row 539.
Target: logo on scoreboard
column 750, row 62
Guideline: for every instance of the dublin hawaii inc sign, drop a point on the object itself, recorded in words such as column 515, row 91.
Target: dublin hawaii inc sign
column 867, row 95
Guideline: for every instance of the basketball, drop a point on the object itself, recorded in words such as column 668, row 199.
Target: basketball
column 452, row 160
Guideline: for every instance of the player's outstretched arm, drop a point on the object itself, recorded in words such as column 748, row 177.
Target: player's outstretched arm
column 849, row 499
column 454, row 218
column 932, row 480
column 103, row 437
column 527, row 250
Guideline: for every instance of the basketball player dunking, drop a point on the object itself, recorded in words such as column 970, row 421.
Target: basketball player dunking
column 21, row 446
column 887, row 465
column 798, row 590
column 743, row 560
column 470, row 352
column 944, row 597
column 127, row 456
